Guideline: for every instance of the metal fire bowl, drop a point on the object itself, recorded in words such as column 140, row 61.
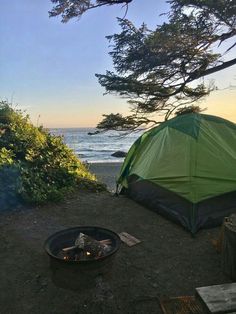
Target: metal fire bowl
column 65, row 272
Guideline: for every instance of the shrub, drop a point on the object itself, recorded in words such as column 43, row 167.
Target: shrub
column 36, row 166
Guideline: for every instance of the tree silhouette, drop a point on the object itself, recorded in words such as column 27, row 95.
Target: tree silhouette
column 161, row 71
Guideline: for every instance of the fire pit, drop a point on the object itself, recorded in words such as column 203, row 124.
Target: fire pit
column 71, row 271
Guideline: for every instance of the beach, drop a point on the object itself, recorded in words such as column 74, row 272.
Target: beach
column 106, row 173
column 168, row 261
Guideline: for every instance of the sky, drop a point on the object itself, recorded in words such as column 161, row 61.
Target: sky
column 48, row 68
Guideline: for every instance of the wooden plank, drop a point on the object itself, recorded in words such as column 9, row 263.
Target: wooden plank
column 128, row 239
column 219, row 298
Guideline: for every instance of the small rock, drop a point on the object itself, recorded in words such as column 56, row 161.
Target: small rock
column 119, row 153
column 154, row 285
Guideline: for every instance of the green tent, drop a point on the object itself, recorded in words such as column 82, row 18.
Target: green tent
column 185, row 169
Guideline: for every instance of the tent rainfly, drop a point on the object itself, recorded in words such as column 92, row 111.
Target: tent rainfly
column 184, row 169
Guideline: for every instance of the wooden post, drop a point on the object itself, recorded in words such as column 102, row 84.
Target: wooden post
column 228, row 255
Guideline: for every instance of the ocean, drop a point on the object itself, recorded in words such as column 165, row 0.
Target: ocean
column 96, row 148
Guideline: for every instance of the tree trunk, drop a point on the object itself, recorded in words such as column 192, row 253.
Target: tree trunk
column 228, row 255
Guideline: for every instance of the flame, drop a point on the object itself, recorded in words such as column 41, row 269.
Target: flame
column 88, row 253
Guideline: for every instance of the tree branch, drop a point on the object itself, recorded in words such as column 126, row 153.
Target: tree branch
column 197, row 74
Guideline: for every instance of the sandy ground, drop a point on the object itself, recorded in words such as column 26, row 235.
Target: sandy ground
column 168, row 261
column 107, row 173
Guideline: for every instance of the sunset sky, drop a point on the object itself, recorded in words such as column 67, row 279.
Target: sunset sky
column 48, row 68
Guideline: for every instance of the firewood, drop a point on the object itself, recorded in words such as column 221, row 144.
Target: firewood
column 70, row 248
column 106, row 241
column 94, row 247
column 86, row 248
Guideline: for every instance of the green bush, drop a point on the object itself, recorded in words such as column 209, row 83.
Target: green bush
column 36, row 166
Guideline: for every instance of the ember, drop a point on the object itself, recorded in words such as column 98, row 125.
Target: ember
column 86, row 248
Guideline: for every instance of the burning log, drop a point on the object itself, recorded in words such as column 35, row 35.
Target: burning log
column 92, row 246
column 86, row 248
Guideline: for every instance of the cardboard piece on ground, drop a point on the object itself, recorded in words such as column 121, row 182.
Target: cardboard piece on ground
column 128, row 239
column 219, row 298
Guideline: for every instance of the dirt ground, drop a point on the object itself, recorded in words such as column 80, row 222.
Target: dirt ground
column 168, row 261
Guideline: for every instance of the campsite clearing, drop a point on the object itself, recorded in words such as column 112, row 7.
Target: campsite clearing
column 168, row 261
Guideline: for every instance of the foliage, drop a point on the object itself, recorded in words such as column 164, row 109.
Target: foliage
column 186, row 110
column 161, row 71
column 36, row 166
column 76, row 8
column 8, row 179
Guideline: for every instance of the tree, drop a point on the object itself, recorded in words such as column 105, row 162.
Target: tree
column 76, row 8
column 162, row 71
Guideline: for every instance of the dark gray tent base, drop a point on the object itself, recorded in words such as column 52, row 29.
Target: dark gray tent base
column 205, row 214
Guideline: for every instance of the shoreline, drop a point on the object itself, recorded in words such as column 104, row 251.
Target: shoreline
column 106, row 172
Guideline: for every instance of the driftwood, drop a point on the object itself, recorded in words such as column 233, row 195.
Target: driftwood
column 228, row 255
